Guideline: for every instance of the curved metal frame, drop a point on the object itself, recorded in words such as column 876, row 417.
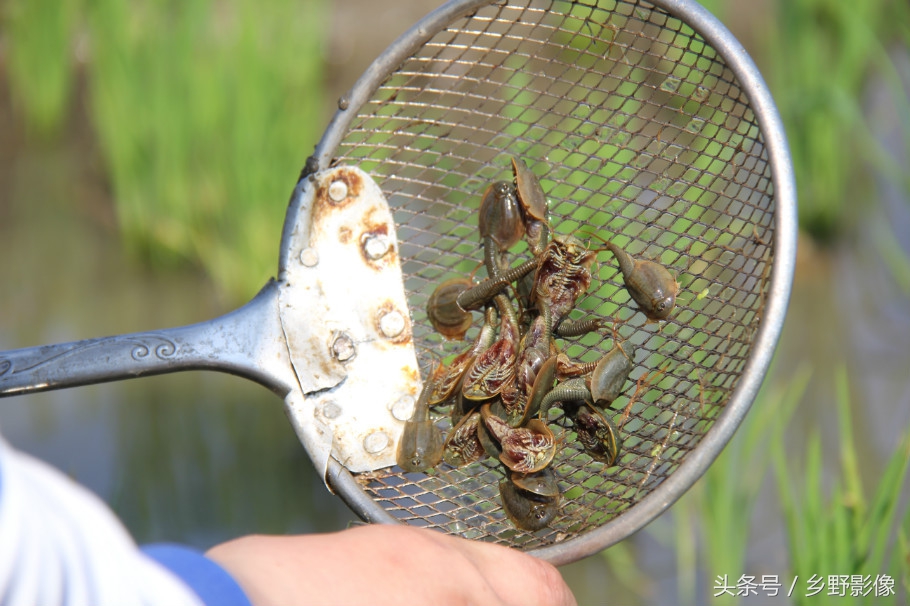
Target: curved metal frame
column 720, row 38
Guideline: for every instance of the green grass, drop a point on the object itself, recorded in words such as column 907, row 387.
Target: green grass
column 818, row 60
column 848, row 529
column 205, row 111
column 716, row 513
column 819, row 57
column 846, row 533
column 205, row 117
column 39, row 34
column 732, row 485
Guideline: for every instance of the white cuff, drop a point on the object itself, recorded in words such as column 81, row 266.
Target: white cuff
column 61, row 545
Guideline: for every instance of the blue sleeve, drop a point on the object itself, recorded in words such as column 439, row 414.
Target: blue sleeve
column 211, row 582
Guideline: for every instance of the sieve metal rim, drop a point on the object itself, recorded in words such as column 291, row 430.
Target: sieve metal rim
column 780, row 279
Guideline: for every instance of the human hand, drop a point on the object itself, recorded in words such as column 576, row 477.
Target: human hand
column 388, row 565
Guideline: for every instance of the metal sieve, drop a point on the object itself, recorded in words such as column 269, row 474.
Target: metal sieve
column 646, row 123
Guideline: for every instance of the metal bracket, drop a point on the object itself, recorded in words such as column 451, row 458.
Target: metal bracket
column 345, row 316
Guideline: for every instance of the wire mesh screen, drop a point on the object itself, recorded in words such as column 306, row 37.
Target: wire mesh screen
column 639, row 134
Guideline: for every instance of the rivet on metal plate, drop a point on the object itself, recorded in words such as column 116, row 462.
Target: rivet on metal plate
column 376, row 442
column 309, row 257
column 343, row 348
column 338, row 191
column 403, row 407
column 392, row 324
column 331, row 410
column 376, row 246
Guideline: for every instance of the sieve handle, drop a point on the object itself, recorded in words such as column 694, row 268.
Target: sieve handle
column 247, row 342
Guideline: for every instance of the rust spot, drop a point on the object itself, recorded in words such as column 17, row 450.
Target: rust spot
column 325, row 204
column 344, row 234
column 377, row 244
column 411, row 379
column 412, row 376
column 382, row 229
column 388, row 307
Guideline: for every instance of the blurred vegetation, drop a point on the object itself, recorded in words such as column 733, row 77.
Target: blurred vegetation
column 818, row 57
column 830, row 530
column 201, row 175
column 718, row 511
column 845, row 534
column 40, row 38
column 205, row 111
